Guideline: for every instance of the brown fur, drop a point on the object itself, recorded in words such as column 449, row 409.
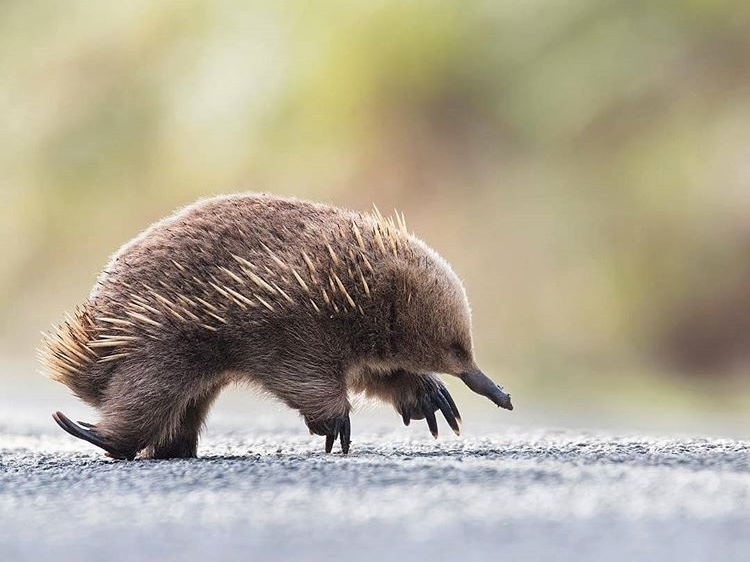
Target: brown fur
column 306, row 300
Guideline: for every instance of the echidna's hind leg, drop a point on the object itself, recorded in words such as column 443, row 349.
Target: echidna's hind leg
column 141, row 405
column 183, row 442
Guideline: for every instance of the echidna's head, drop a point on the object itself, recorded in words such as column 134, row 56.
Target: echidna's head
column 431, row 324
column 431, row 318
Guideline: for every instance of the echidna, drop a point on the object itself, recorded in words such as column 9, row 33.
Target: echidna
column 308, row 301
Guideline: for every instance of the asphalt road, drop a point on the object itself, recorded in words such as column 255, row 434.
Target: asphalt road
column 269, row 492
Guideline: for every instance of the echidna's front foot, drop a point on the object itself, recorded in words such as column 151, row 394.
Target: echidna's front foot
column 423, row 406
column 333, row 428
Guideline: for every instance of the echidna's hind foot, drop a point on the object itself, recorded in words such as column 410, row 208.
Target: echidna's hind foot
column 89, row 434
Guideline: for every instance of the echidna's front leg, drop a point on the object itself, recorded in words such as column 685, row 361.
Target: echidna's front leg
column 335, row 428
column 414, row 396
column 322, row 401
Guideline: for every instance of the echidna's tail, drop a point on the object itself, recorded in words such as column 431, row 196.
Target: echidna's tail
column 66, row 357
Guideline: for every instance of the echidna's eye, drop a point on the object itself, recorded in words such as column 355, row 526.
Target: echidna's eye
column 459, row 351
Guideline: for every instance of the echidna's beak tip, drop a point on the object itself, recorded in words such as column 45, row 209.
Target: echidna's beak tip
column 480, row 383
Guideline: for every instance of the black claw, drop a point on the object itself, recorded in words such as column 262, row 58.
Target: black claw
column 329, row 442
column 448, row 398
column 346, row 433
column 87, row 425
column 406, row 418
column 432, row 423
column 447, row 413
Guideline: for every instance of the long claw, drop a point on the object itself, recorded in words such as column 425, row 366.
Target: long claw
column 447, row 413
column 448, row 398
column 406, row 418
column 329, row 442
column 87, row 425
column 346, row 434
column 432, row 423
column 89, row 435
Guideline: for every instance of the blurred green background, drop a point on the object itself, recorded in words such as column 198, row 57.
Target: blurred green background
column 584, row 165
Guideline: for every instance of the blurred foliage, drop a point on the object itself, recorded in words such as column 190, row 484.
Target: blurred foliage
column 582, row 164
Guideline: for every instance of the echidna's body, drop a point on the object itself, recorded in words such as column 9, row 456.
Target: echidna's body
column 306, row 300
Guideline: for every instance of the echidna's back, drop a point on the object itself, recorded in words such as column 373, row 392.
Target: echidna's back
column 210, row 275
column 166, row 284
column 67, row 357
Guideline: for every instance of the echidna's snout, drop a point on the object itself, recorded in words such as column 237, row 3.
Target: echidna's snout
column 480, row 383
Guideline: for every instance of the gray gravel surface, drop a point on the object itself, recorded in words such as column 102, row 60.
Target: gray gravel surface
column 272, row 493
